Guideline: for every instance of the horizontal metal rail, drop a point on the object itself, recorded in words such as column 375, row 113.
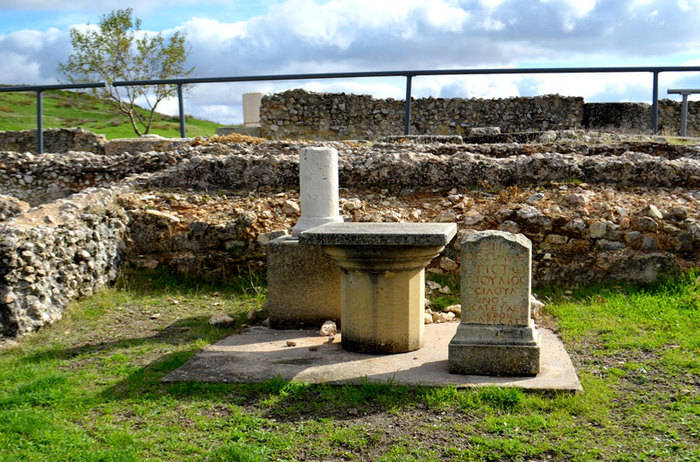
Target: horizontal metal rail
column 414, row 73
column 38, row 89
column 684, row 92
column 58, row 86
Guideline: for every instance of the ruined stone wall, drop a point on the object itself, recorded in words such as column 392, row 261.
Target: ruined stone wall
column 335, row 116
column 636, row 117
column 55, row 253
column 64, row 140
column 39, row 179
column 670, row 117
column 55, row 140
column 408, row 167
column 580, row 234
column 624, row 117
column 298, row 114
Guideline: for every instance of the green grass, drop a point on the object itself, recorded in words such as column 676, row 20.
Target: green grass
column 65, row 109
column 88, row 388
column 682, row 141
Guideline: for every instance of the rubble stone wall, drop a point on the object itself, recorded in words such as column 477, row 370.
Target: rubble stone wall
column 298, row 114
column 55, row 253
column 55, row 140
column 39, row 179
column 670, row 117
column 578, row 235
column 410, row 167
column 636, row 117
column 65, row 140
column 334, row 116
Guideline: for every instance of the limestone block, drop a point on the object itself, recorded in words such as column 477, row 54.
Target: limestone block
column 303, row 285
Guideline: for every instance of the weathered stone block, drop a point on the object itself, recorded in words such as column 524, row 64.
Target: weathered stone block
column 497, row 335
column 303, row 285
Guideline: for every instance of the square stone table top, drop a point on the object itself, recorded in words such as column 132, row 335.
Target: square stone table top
column 380, row 234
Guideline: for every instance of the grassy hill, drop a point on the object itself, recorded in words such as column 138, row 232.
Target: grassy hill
column 66, row 109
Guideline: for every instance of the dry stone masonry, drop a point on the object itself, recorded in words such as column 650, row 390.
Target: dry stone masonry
column 55, row 140
column 335, row 116
column 407, row 167
column 329, row 116
column 39, row 179
column 58, row 252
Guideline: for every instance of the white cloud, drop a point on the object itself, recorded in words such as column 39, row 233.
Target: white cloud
column 210, row 32
column 31, row 56
column 14, row 64
column 575, row 8
column 491, row 3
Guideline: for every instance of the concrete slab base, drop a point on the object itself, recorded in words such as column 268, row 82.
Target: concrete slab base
column 259, row 354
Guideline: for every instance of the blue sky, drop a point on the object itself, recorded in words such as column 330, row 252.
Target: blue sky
column 245, row 37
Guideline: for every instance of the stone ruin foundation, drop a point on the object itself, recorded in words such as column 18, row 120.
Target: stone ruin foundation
column 596, row 207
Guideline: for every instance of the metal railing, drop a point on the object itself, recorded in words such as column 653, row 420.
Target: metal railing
column 408, row 75
column 654, row 70
column 684, row 92
column 39, row 89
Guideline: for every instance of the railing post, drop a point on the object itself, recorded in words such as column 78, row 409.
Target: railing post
column 39, row 128
column 655, row 104
column 684, row 115
column 407, row 106
column 181, row 109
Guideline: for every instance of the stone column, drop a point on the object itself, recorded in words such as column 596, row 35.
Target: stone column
column 318, row 184
column 496, row 335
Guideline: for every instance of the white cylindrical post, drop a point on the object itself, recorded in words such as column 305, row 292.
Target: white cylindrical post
column 318, row 184
column 251, row 109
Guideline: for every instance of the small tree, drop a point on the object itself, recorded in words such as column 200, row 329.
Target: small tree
column 117, row 51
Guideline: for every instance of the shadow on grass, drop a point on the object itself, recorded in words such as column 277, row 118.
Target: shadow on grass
column 278, row 398
column 181, row 332
column 293, row 402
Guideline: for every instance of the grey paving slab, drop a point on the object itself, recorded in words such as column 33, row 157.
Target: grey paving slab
column 400, row 234
column 259, row 354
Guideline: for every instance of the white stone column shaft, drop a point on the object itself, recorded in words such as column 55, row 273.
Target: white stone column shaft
column 251, row 109
column 318, row 184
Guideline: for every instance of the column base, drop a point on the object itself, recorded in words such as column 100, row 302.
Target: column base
column 382, row 293
column 497, row 350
